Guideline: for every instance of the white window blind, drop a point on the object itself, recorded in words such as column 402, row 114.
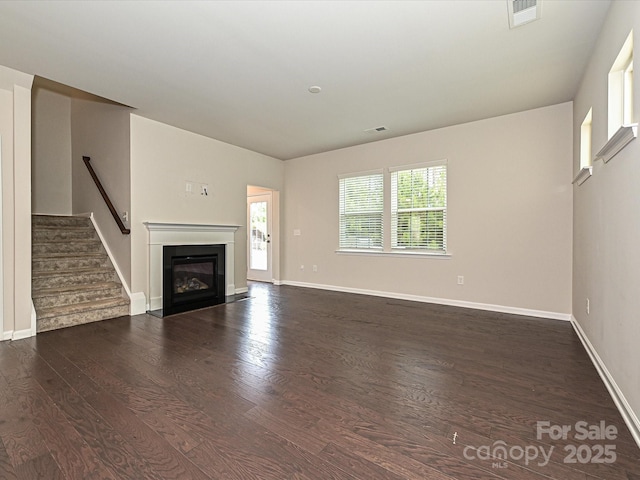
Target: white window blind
column 361, row 206
column 419, row 207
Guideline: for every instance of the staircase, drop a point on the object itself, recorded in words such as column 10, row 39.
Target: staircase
column 73, row 280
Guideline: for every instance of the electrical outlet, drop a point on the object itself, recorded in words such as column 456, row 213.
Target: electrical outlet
column 588, row 307
column 125, row 216
column 189, row 187
column 460, row 280
column 301, row 267
column 315, row 268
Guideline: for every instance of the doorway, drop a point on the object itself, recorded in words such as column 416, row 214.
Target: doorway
column 260, row 234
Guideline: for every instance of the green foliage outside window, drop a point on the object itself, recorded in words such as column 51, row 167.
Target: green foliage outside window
column 419, row 208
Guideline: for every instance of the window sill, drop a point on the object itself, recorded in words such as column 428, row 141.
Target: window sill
column 617, row 142
column 381, row 253
column 583, row 175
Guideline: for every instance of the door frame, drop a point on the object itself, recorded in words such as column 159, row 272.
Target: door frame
column 252, row 191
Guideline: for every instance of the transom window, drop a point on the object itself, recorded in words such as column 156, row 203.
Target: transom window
column 585, row 140
column 621, row 89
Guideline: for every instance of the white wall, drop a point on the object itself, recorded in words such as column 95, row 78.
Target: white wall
column 509, row 215
column 606, row 257
column 163, row 159
column 101, row 131
column 51, row 155
column 15, row 130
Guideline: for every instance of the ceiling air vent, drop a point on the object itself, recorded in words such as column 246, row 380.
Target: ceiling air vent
column 376, row 130
column 523, row 11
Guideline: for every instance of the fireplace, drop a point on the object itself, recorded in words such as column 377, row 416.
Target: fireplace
column 193, row 276
column 177, row 234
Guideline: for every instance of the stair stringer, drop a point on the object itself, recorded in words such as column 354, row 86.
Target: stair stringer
column 137, row 301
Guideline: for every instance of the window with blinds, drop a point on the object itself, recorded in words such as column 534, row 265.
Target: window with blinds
column 361, row 206
column 419, row 207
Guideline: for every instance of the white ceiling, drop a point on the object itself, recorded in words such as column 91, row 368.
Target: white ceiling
column 239, row 71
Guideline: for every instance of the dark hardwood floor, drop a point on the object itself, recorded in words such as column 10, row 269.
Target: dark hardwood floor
column 296, row 383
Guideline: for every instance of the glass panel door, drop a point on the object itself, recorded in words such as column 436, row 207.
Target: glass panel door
column 259, row 238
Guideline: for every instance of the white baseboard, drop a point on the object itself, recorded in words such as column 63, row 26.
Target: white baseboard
column 628, row 415
column 155, row 303
column 242, row 290
column 34, row 319
column 440, row 301
column 138, row 303
column 20, row 334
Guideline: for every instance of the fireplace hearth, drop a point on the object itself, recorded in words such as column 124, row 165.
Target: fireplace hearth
column 193, row 276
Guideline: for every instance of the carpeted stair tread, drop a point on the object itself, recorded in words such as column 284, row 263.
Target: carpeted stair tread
column 81, row 318
column 67, row 228
column 67, row 246
column 81, row 307
column 71, row 272
column 57, row 296
column 43, row 292
column 50, row 228
column 54, row 264
column 61, row 240
column 68, row 234
column 60, row 220
column 97, row 313
column 45, row 256
column 50, row 280
column 73, row 279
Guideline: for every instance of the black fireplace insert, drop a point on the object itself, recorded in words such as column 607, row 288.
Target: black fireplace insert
column 192, row 277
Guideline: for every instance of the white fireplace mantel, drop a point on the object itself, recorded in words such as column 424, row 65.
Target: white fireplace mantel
column 161, row 234
column 189, row 227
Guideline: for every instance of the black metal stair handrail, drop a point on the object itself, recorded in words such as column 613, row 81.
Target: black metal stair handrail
column 105, row 197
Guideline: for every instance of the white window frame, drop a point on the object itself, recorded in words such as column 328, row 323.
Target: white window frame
column 620, row 88
column 627, row 92
column 586, row 159
column 364, row 243
column 585, row 140
column 396, row 209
